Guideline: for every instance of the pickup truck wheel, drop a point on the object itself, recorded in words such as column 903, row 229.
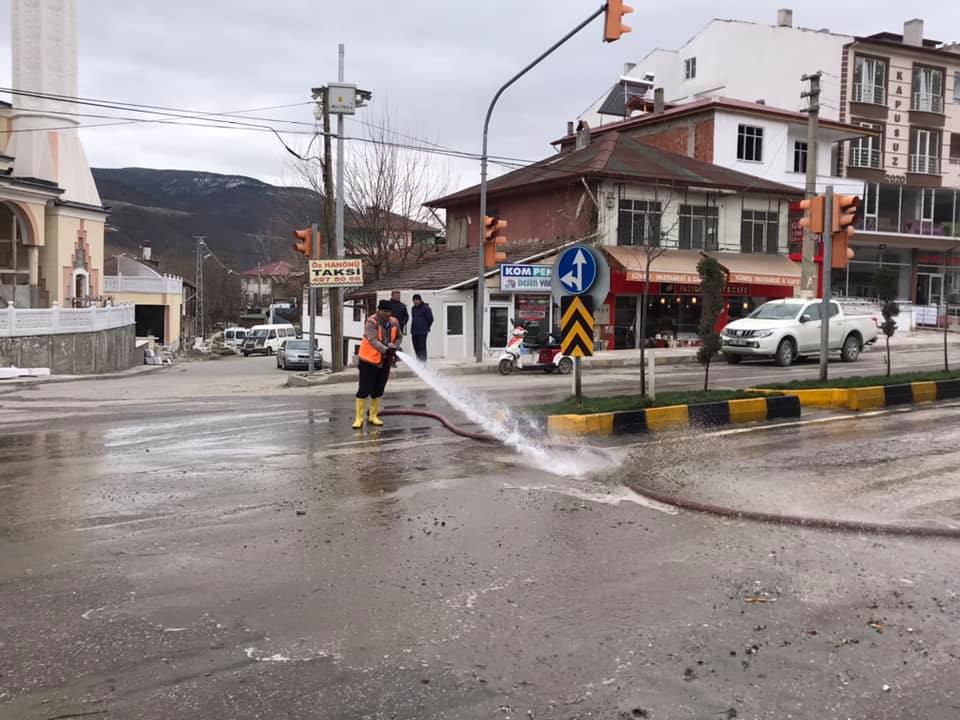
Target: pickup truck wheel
column 851, row 349
column 786, row 353
column 733, row 359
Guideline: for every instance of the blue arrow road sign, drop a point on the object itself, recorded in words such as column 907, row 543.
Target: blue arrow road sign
column 577, row 270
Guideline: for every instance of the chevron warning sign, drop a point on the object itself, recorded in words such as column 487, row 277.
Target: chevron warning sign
column 576, row 326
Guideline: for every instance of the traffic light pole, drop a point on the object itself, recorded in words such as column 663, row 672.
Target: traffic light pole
column 315, row 255
column 478, row 330
column 826, row 269
column 808, row 268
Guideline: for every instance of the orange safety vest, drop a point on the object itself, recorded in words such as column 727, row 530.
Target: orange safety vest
column 368, row 353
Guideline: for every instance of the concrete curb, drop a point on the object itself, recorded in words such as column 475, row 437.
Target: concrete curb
column 676, row 417
column 878, row 396
column 53, row 380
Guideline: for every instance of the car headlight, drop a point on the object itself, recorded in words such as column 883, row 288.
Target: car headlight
column 763, row 333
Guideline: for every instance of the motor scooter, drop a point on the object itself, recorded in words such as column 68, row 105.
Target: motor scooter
column 522, row 356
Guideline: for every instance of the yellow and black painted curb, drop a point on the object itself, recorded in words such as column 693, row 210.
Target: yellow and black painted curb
column 676, row 417
column 880, row 396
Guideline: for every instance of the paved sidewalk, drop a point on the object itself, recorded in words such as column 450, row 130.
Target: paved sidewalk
column 917, row 340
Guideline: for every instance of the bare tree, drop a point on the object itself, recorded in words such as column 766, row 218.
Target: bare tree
column 653, row 238
column 385, row 187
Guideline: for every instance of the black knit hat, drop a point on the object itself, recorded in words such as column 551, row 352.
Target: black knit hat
column 384, row 305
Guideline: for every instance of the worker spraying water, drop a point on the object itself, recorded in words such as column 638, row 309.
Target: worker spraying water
column 378, row 354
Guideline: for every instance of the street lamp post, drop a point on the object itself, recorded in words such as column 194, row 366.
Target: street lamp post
column 478, row 334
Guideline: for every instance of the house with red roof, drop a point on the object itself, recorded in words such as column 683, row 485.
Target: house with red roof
column 264, row 284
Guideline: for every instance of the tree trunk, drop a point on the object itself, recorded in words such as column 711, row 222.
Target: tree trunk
column 888, row 356
column 706, row 375
column 643, row 332
column 946, row 333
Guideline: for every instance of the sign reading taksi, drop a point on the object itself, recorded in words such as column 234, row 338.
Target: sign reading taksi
column 336, row 273
column 525, row 278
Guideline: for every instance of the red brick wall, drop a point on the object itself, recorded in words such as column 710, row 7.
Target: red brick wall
column 546, row 215
column 670, row 139
column 703, row 140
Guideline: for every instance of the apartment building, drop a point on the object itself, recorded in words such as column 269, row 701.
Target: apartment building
column 907, row 89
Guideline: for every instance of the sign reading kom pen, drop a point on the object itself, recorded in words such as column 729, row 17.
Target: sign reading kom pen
column 576, row 269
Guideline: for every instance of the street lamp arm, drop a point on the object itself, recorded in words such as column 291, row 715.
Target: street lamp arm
column 478, row 330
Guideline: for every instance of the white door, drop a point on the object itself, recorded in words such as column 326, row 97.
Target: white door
column 454, row 331
column 808, row 333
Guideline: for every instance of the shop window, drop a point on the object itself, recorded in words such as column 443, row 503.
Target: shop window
column 638, row 223
column 698, row 227
column 760, row 232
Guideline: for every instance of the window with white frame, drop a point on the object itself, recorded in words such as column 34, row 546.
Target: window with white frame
column 927, row 89
column 689, row 68
column 750, row 143
column 865, row 151
column 870, row 80
column 698, row 227
column 760, row 232
column 638, row 223
column 925, row 151
column 799, row 156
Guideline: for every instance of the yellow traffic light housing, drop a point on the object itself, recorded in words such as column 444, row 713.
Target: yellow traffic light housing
column 814, row 210
column 613, row 26
column 305, row 245
column 494, row 244
column 845, row 211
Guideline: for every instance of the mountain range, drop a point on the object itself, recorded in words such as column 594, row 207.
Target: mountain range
column 244, row 221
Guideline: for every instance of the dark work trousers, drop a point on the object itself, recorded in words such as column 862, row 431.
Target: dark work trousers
column 420, row 347
column 373, row 379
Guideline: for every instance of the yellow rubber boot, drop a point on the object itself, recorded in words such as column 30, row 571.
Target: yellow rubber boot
column 361, row 411
column 375, row 413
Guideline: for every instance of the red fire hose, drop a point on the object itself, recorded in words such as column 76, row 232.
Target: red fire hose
column 846, row 526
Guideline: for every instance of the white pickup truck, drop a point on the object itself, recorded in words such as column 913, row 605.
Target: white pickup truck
column 788, row 329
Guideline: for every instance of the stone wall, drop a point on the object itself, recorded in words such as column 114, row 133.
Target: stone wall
column 84, row 353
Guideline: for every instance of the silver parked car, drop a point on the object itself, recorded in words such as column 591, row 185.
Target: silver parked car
column 295, row 355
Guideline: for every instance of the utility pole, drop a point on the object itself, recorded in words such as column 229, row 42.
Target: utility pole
column 336, row 294
column 315, row 255
column 329, row 232
column 826, row 268
column 808, row 269
column 199, row 331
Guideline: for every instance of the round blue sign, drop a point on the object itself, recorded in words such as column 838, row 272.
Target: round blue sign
column 577, row 270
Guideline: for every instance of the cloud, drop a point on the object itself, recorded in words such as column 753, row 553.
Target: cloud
column 436, row 62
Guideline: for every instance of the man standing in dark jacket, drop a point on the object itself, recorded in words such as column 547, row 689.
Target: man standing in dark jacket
column 399, row 311
column 420, row 327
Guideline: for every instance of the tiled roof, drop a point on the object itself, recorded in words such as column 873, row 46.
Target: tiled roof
column 443, row 268
column 280, row 268
column 620, row 157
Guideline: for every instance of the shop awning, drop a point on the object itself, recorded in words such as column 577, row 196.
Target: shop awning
column 680, row 266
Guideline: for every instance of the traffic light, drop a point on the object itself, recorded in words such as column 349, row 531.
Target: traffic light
column 845, row 209
column 493, row 241
column 813, row 214
column 305, row 245
column 613, row 26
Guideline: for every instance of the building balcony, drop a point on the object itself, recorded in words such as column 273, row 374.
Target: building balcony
column 927, row 102
column 925, row 164
column 865, row 157
column 161, row 284
column 869, row 94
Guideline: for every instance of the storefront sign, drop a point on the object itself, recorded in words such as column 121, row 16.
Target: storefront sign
column 526, row 278
column 336, row 273
column 695, row 289
column 533, row 309
column 938, row 259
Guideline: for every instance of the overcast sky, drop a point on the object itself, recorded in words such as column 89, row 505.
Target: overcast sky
column 434, row 63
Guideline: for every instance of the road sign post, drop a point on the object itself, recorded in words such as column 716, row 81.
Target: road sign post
column 576, row 331
column 826, row 267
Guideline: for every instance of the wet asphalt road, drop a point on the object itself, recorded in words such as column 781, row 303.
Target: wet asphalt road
column 171, row 548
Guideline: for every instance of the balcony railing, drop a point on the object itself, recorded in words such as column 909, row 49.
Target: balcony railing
column 165, row 284
column 925, row 164
column 15, row 322
column 872, row 94
column 927, row 102
column 865, row 157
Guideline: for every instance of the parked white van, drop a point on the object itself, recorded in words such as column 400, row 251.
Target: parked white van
column 234, row 337
column 266, row 339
